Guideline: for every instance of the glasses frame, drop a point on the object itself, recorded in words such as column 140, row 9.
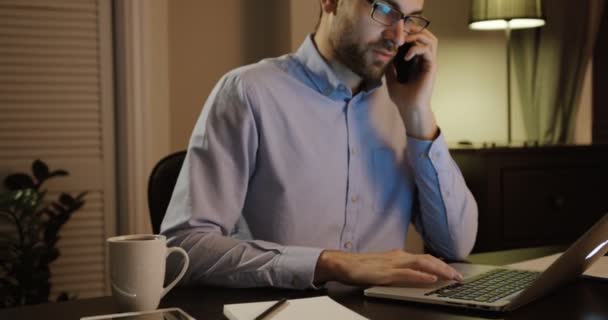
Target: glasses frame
column 404, row 17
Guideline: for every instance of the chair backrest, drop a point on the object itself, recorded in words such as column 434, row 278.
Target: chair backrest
column 160, row 186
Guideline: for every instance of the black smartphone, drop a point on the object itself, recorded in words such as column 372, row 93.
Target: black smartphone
column 406, row 70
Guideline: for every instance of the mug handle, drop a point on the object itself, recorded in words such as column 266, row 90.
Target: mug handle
column 181, row 273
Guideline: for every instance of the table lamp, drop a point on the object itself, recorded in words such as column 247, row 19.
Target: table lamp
column 506, row 15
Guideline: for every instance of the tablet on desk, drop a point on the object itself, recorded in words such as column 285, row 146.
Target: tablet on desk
column 160, row 314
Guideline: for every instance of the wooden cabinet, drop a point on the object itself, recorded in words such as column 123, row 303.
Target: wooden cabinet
column 537, row 195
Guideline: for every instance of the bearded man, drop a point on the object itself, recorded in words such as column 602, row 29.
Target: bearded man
column 309, row 167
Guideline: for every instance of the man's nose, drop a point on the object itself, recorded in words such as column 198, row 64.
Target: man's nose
column 397, row 33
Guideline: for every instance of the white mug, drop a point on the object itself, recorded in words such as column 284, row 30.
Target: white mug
column 137, row 270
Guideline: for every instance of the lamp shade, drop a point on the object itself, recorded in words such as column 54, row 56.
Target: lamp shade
column 503, row 14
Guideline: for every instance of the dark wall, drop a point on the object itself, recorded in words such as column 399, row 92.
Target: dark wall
column 600, row 84
column 265, row 29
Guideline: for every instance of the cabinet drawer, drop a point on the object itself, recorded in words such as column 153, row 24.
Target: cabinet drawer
column 551, row 205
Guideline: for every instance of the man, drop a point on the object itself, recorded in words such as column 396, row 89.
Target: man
column 299, row 170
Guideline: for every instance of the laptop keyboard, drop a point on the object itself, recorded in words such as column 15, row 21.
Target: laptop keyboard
column 489, row 286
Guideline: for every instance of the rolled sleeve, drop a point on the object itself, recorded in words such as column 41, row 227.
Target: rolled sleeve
column 295, row 267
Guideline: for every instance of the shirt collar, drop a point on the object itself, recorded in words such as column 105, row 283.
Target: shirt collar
column 320, row 72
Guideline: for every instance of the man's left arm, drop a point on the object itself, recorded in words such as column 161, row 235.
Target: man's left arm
column 445, row 212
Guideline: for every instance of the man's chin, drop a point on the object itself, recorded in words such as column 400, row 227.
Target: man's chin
column 375, row 73
column 372, row 72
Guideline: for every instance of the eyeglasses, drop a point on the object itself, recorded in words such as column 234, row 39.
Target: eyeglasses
column 387, row 15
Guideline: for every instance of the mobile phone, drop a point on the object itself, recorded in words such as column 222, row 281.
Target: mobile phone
column 406, row 70
column 159, row 314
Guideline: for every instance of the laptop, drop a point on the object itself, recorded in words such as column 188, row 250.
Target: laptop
column 502, row 288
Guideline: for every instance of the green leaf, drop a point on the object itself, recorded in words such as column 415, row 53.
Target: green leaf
column 50, row 234
column 40, row 170
column 19, row 202
column 53, row 254
column 19, row 181
column 66, row 199
column 41, row 194
column 55, row 208
column 59, row 173
column 81, row 195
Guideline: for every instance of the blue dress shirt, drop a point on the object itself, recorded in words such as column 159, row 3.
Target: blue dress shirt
column 284, row 162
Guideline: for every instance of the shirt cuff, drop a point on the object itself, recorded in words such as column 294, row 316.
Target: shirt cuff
column 295, row 267
column 427, row 155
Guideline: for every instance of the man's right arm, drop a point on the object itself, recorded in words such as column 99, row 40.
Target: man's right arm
column 209, row 197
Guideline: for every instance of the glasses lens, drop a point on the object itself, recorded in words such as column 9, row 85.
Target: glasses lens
column 414, row 24
column 384, row 14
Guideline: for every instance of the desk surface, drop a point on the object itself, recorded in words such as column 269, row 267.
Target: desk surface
column 584, row 299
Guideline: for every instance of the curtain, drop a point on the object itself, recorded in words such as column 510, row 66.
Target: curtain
column 550, row 64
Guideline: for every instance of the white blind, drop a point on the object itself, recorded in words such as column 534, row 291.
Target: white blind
column 56, row 104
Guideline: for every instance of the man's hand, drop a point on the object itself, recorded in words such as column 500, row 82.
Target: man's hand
column 414, row 98
column 393, row 268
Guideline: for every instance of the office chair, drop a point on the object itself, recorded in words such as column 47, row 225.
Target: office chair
column 160, row 186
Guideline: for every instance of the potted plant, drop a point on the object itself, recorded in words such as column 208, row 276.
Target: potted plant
column 30, row 234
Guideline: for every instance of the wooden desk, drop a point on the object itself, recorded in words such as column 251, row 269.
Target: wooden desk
column 584, row 299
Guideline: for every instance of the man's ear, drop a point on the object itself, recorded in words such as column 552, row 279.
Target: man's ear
column 329, row 6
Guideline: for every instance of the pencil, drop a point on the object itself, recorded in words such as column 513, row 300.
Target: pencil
column 271, row 309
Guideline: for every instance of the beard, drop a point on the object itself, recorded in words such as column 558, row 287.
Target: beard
column 356, row 56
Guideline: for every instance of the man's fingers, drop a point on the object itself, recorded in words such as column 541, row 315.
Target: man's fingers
column 424, row 37
column 434, row 266
column 419, row 50
column 425, row 43
column 388, row 268
column 456, row 275
column 429, row 266
column 407, row 277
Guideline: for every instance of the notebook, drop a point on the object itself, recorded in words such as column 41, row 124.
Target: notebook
column 307, row 308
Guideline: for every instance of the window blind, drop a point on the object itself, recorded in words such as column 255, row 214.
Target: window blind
column 56, row 104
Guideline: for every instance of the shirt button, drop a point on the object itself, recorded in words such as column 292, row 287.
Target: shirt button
column 354, row 199
column 353, row 151
column 348, row 245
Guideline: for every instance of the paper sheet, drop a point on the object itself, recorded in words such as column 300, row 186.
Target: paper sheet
column 598, row 270
column 308, row 308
